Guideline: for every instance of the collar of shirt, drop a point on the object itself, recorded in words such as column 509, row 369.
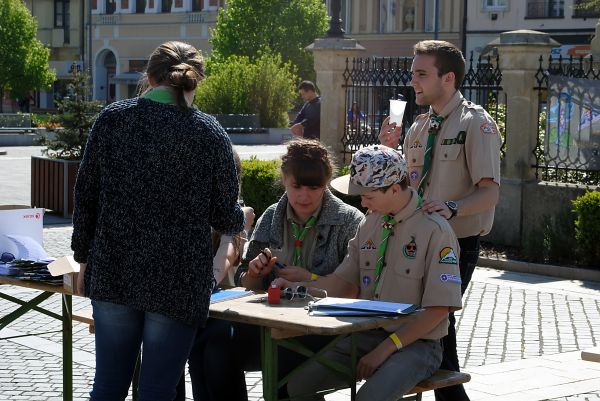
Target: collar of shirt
column 410, row 208
column 452, row 105
column 291, row 216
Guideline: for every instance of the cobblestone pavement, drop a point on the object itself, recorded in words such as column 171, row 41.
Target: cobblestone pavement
column 506, row 317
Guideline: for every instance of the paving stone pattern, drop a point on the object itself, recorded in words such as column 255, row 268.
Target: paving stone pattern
column 500, row 322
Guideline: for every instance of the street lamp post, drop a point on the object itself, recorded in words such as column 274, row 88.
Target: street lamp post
column 335, row 22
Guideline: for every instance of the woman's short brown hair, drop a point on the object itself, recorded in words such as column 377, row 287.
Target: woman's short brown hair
column 309, row 162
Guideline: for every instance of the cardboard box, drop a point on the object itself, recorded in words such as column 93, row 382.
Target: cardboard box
column 69, row 269
column 22, row 221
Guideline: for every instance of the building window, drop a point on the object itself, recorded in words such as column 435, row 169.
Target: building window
column 166, row 6
column 111, row 6
column 61, row 13
column 495, row 5
column 140, row 6
column 545, row 9
column 197, row 5
column 592, row 12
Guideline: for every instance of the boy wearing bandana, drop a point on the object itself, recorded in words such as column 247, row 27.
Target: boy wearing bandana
column 401, row 255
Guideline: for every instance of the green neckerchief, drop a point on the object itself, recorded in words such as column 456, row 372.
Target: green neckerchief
column 435, row 122
column 299, row 238
column 160, row 95
column 388, row 227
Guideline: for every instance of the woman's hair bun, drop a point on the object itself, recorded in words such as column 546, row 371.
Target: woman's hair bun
column 183, row 76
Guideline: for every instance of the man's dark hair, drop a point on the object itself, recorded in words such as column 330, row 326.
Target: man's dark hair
column 448, row 58
column 307, row 86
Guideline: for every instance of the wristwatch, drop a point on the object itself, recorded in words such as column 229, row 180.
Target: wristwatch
column 453, row 207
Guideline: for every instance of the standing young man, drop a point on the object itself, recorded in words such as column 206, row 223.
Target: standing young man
column 398, row 254
column 453, row 155
column 308, row 121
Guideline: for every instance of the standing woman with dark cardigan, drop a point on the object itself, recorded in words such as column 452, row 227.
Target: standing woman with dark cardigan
column 156, row 175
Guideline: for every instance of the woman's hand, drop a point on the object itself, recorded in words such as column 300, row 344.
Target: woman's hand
column 389, row 134
column 248, row 217
column 294, row 273
column 80, row 290
column 262, row 265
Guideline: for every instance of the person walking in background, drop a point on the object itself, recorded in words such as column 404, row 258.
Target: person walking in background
column 307, row 123
column 355, row 116
column 156, row 175
column 453, row 155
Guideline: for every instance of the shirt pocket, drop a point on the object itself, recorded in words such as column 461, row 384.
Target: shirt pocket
column 449, row 152
column 416, row 156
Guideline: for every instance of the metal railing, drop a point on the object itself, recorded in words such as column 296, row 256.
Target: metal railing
column 372, row 82
column 564, row 154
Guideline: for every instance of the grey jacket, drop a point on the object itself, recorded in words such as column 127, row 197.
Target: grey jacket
column 337, row 224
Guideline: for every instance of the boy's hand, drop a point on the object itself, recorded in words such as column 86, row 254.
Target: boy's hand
column 368, row 364
column 262, row 265
column 294, row 273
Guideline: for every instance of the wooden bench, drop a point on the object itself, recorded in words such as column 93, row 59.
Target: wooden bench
column 84, row 316
column 440, row 379
column 592, row 354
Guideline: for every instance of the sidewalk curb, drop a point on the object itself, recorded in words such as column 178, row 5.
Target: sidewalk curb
column 569, row 273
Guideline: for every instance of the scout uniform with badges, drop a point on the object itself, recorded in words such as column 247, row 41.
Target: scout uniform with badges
column 409, row 257
column 449, row 153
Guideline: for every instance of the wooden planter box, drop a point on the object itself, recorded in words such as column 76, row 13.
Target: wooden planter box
column 52, row 184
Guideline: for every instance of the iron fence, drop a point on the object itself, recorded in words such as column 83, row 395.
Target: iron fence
column 371, row 82
column 566, row 150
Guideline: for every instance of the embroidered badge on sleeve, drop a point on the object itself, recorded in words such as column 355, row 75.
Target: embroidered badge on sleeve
column 450, row 278
column 488, row 129
column 447, row 256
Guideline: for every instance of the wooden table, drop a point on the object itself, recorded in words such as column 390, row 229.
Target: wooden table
column 47, row 291
column 281, row 323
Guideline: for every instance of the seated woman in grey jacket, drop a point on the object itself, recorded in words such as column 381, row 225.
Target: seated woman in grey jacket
column 308, row 230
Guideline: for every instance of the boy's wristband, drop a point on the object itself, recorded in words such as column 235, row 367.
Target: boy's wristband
column 313, row 277
column 396, row 341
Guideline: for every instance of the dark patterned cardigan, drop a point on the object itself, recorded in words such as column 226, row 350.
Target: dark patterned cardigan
column 152, row 182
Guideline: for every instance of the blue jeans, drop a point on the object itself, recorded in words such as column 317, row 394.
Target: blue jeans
column 120, row 331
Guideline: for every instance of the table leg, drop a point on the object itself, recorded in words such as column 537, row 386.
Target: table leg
column 353, row 367
column 67, row 343
column 269, row 365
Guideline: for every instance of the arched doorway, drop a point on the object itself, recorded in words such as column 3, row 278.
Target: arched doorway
column 104, row 77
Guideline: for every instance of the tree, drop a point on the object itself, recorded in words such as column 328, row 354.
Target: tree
column 76, row 115
column 251, row 28
column 589, row 5
column 23, row 58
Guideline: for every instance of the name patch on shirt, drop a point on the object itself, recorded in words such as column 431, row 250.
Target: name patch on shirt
column 450, row 278
column 369, row 245
column 460, row 139
column 447, row 256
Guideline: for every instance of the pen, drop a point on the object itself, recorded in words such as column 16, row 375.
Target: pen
column 277, row 264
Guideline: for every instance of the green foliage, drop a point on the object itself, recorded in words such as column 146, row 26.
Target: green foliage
column 240, row 85
column 76, row 115
column 251, row 27
column 23, row 58
column 587, row 227
column 588, row 5
column 553, row 241
column 261, row 183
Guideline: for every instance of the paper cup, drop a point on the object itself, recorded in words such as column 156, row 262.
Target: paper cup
column 397, row 108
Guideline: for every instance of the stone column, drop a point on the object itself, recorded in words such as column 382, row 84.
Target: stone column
column 519, row 53
column 330, row 62
column 595, row 44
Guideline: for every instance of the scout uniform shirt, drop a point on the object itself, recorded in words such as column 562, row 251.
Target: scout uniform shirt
column 467, row 149
column 421, row 262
